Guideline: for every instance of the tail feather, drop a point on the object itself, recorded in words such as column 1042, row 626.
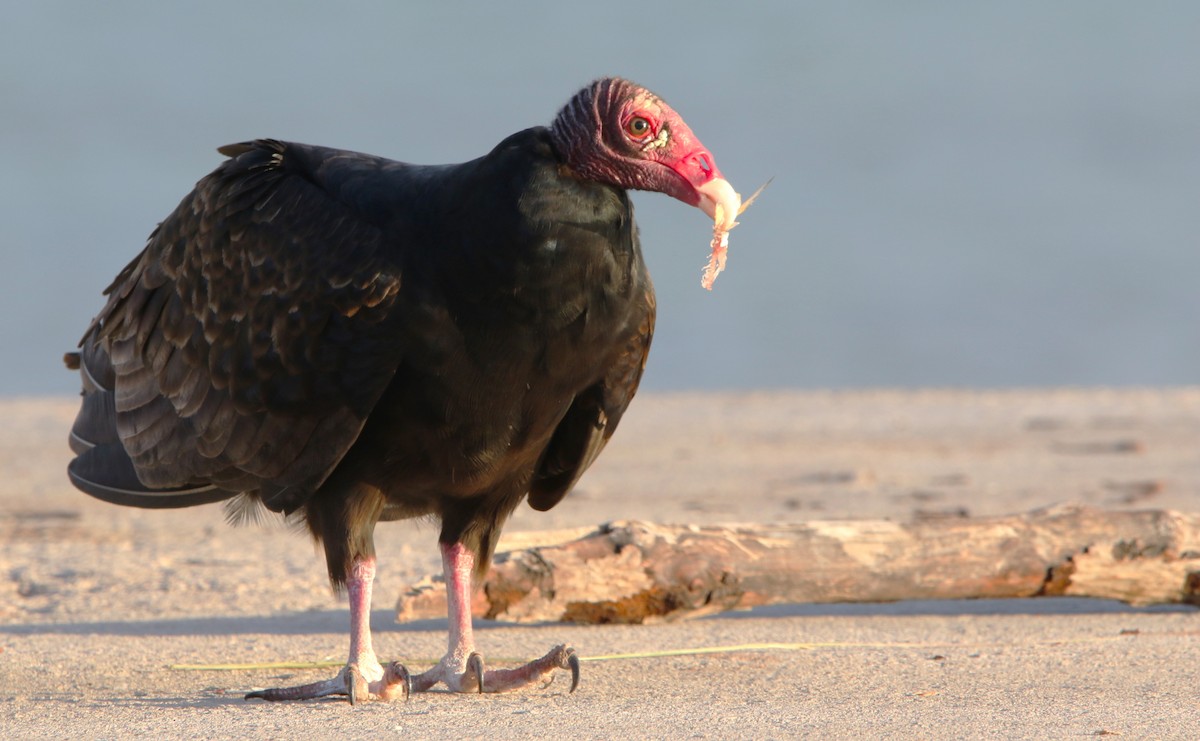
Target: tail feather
column 106, row 472
column 96, row 423
column 102, row 467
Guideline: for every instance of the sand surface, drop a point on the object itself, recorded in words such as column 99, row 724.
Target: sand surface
column 97, row 602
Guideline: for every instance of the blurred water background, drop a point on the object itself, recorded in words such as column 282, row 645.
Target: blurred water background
column 966, row 194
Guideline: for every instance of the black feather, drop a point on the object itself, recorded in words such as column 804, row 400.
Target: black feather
column 351, row 338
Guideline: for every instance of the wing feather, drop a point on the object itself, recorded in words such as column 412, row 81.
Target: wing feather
column 593, row 417
column 252, row 336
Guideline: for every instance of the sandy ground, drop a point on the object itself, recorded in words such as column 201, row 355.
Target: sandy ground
column 98, row 602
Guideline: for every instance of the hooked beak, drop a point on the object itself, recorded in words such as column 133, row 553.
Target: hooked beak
column 718, row 192
column 704, row 187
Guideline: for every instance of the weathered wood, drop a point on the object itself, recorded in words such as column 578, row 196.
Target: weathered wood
column 635, row 572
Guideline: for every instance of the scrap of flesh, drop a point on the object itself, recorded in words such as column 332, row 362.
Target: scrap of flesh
column 720, row 240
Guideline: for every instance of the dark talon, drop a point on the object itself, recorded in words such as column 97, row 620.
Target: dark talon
column 355, row 683
column 573, row 665
column 475, row 664
column 398, row 672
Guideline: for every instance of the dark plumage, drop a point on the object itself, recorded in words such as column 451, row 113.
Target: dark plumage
column 351, row 339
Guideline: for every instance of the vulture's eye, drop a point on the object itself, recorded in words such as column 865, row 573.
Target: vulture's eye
column 637, row 127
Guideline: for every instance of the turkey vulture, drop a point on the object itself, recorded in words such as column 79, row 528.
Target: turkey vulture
column 347, row 339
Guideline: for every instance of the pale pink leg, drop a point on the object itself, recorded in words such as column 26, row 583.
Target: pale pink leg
column 362, row 678
column 457, row 564
column 461, row 669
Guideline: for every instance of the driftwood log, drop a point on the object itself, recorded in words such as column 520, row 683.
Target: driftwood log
column 636, row 572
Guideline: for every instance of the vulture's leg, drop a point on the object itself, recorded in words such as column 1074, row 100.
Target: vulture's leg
column 362, row 678
column 461, row 669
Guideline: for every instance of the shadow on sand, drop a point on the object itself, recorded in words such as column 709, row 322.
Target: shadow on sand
column 336, row 621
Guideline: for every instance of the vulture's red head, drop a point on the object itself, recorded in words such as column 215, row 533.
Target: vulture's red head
column 617, row 132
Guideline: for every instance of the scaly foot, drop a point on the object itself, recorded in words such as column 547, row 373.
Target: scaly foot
column 395, row 682
column 471, row 676
column 388, row 684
